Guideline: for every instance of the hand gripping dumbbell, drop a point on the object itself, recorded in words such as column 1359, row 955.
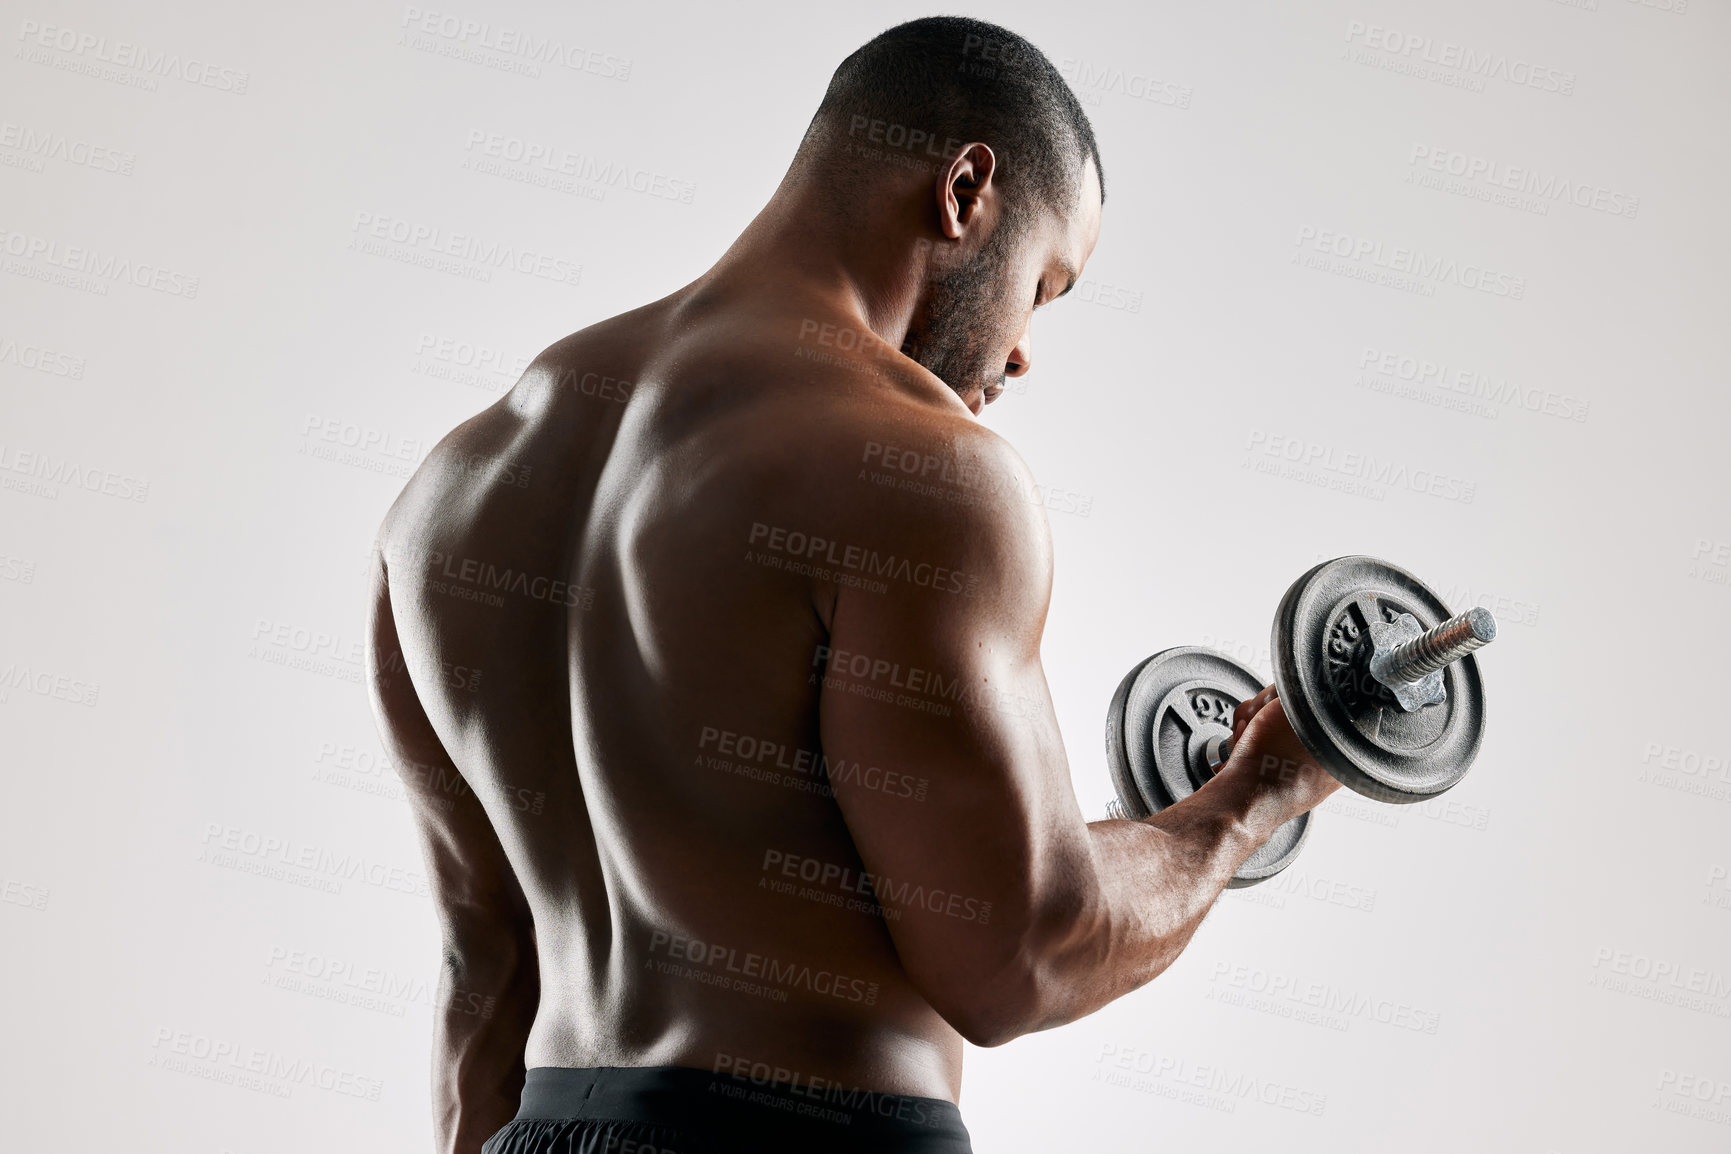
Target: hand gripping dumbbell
column 1373, row 673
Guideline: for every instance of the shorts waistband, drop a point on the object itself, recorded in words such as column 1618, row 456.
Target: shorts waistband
column 700, row 1100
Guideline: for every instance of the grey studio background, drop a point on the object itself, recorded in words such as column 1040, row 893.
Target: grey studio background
column 1443, row 283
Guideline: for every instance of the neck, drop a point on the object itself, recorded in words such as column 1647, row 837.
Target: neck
column 867, row 263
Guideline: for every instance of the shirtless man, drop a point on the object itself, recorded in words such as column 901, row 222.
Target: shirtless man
column 711, row 657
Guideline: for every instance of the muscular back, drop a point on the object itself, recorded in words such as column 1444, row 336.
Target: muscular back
column 678, row 646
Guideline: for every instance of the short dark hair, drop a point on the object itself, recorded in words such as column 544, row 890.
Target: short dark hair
column 946, row 80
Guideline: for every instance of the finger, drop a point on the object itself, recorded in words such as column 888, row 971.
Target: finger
column 1251, row 706
column 1248, row 708
column 1242, row 713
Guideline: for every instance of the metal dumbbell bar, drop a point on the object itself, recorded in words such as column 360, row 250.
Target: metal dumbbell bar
column 1374, row 673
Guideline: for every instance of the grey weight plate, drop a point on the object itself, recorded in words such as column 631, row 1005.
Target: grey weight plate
column 1164, row 712
column 1349, row 721
column 1117, row 753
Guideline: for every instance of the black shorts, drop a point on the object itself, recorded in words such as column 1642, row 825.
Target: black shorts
column 677, row 1110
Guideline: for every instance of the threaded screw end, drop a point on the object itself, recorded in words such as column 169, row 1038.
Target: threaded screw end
column 1437, row 647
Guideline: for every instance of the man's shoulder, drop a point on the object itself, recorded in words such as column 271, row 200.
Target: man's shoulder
column 912, row 456
column 889, row 464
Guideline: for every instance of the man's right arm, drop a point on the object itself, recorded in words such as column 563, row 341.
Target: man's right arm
column 1078, row 914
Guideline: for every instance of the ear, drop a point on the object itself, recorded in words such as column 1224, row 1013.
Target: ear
column 964, row 186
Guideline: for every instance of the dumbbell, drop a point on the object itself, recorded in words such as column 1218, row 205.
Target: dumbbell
column 1375, row 675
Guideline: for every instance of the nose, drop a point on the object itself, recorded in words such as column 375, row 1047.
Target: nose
column 1022, row 356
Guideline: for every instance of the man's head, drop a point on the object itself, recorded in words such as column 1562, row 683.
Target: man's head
column 977, row 128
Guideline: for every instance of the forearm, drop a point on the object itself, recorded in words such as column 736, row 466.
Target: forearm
column 483, row 1014
column 1158, row 878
